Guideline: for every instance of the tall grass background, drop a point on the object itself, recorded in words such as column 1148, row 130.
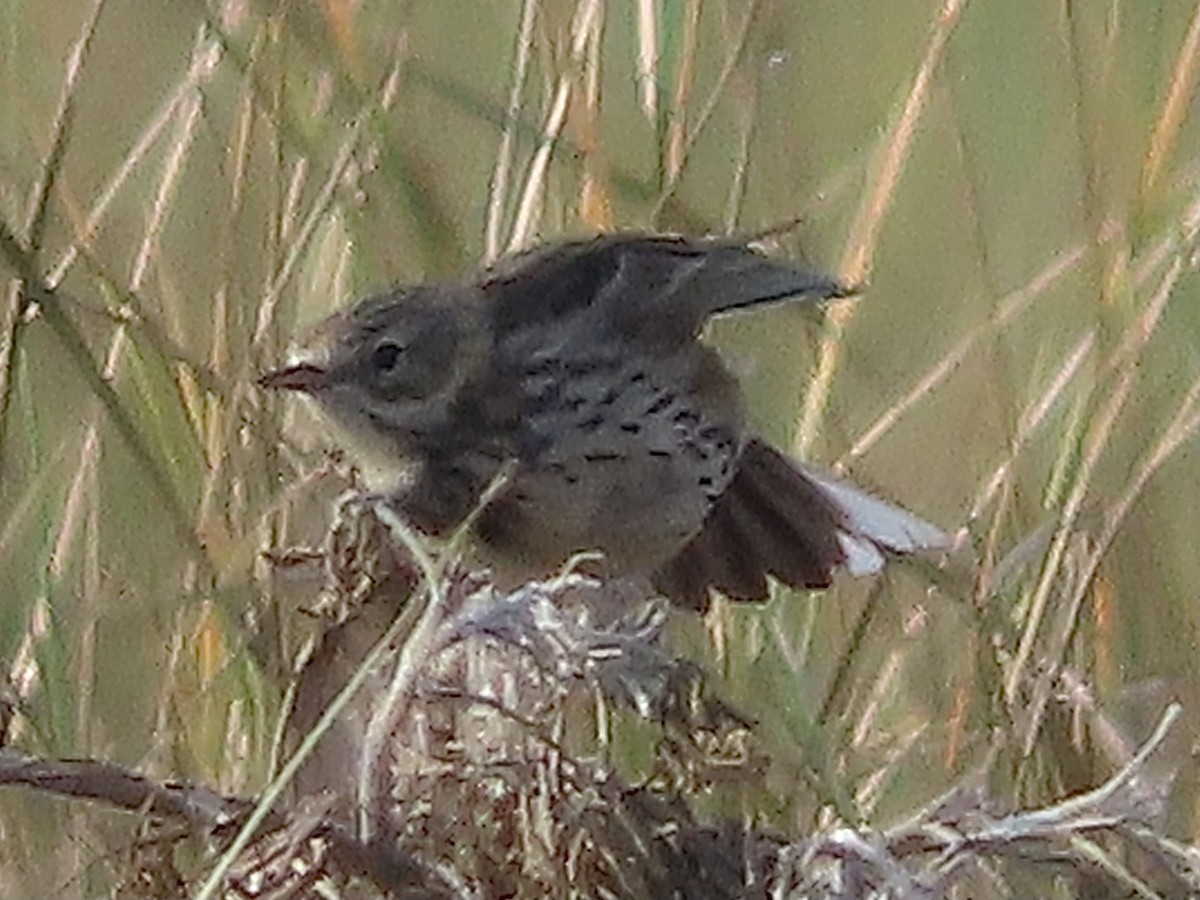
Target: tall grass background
column 1017, row 183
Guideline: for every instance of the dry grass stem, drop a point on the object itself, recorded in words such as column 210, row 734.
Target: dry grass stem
column 529, row 207
column 855, row 267
column 1006, row 310
column 1176, row 104
column 647, row 58
column 60, row 124
column 498, row 191
column 1031, row 418
column 201, row 69
column 678, row 146
column 1094, row 443
column 294, row 251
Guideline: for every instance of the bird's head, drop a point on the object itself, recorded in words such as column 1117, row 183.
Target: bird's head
column 390, row 366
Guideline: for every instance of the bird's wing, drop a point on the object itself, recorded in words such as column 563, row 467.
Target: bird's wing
column 650, row 287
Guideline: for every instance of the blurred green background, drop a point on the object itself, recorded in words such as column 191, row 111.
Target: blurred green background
column 1018, row 183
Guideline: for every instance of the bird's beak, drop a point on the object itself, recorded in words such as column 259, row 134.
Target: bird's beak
column 304, row 377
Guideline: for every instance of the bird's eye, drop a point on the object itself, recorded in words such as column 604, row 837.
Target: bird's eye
column 409, row 361
column 385, row 356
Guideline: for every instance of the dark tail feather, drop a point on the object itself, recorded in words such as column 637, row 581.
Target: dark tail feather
column 782, row 519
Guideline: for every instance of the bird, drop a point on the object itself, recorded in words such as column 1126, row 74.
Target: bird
column 577, row 368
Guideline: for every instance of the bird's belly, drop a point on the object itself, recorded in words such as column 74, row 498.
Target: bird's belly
column 635, row 513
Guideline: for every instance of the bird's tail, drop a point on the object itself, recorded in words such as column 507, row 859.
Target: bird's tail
column 782, row 519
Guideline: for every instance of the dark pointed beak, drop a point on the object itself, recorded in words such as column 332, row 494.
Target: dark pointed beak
column 304, row 377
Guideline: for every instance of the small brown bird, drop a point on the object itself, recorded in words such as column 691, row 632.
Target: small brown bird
column 580, row 365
